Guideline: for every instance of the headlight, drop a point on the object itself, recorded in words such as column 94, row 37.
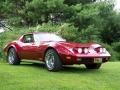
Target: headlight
column 86, row 50
column 79, row 50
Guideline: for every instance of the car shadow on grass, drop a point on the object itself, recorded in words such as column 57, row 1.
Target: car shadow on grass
column 34, row 65
column 65, row 69
column 78, row 69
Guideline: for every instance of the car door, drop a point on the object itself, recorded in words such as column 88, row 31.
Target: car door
column 29, row 50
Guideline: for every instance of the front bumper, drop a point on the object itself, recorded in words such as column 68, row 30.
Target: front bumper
column 83, row 59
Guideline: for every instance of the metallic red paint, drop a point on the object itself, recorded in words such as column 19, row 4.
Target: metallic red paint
column 67, row 50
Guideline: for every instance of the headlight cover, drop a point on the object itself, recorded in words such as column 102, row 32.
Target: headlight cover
column 79, row 50
column 86, row 50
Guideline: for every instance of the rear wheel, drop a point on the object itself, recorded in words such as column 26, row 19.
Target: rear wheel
column 93, row 66
column 52, row 60
column 12, row 57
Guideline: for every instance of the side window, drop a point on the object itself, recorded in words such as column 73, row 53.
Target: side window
column 28, row 38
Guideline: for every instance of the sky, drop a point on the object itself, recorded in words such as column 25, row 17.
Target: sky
column 117, row 6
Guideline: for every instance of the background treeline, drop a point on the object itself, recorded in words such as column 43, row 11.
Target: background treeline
column 76, row 20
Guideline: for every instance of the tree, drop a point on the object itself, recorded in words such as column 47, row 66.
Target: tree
column 74, row 2
column 111, row 32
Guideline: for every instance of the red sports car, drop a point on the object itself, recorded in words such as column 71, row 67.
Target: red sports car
column 55, row 51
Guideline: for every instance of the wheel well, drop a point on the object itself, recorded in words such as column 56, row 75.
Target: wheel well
column 48, row 49
column 13, row 48
column 9, row 48
column 53, row 49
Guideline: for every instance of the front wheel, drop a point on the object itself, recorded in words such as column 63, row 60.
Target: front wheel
column 93, row 66
column 12, row 57
column 52, row 60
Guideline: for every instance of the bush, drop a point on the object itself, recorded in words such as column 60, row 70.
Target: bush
column 116, row 46
column 8, row 36
column 45, row 27
column 67, row 31
column 14, row 21
column 115, row 56
column 89, row 34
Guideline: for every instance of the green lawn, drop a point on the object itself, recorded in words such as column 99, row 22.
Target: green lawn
column 31, row 76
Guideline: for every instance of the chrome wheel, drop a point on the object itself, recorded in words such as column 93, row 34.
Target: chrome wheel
column 49, row 58
column 11, row 56
column 52, row 60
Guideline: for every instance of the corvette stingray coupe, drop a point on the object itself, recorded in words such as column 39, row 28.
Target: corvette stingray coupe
column 55, row 51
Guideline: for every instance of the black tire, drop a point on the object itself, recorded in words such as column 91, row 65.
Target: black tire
column 12, row 57
column 52, row 60
column 93, row 66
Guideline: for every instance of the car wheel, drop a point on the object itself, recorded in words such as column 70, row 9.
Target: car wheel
column 52, row 60
column 12, row 57
column 93, row 66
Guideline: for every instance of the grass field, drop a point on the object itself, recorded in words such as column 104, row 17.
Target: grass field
column 32, row 76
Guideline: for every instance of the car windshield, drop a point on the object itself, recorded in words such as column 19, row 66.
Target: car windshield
column 47, row 37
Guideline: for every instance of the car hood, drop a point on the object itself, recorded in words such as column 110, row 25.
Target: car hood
column 73, row 45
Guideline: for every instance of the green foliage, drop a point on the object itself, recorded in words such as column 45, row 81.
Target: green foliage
column 16, row 21
column 116, row 46
column 74, row 2
column 46, row 27
column 75, row 20
column 115, row 55
column 89, row 34
column 67, row 31
column 111, row 32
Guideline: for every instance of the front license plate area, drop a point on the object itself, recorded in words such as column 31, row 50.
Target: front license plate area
column 97, row 60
